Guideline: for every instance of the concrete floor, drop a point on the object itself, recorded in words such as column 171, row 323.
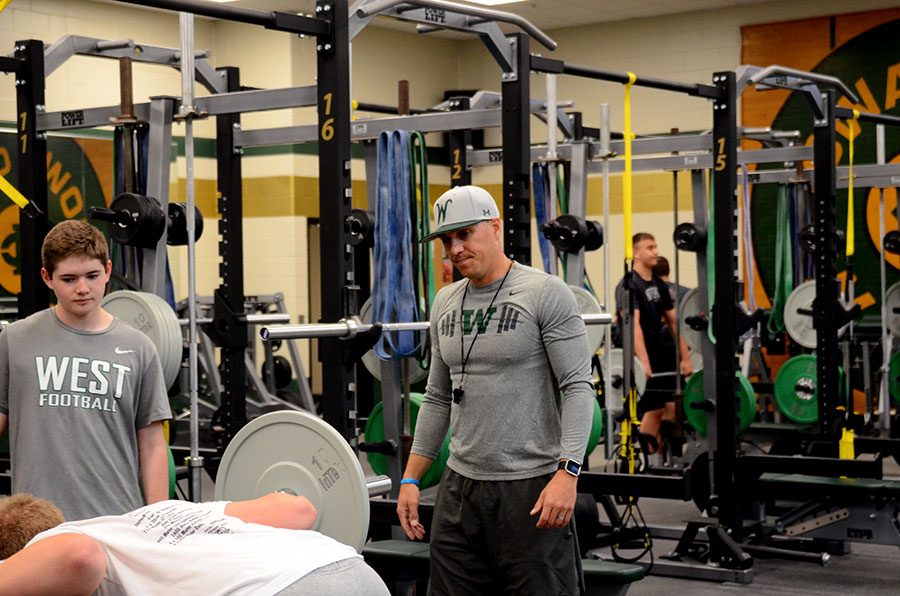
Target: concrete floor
column 868, row 569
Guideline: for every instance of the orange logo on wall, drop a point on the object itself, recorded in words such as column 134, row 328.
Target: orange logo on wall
column 9, row 258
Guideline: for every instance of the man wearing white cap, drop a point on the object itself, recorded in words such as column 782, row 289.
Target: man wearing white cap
column 510, row 376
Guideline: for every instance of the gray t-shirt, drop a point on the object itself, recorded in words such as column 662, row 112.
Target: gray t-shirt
column 527, row 393
column 75, row 400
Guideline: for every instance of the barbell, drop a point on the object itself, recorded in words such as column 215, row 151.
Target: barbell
column 297, row 453
column 153, row 316
column 351, row 327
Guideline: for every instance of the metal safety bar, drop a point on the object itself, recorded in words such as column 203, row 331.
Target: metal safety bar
column 378, row 6
column 847, row 113
column 347, row 328
column 549, row 65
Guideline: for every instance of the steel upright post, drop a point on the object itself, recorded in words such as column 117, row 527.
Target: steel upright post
column 229, row 326
column 32, row 156
column 724, row 311
column 516, row 97
column 458, row 143
column 339, row 287
column 826, row 307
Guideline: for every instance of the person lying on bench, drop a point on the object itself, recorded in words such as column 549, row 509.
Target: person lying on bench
column 262, row 546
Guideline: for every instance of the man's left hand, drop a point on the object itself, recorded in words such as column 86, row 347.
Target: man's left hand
column 557, row 501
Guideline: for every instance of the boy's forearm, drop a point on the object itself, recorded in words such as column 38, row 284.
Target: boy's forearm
column 153, row 459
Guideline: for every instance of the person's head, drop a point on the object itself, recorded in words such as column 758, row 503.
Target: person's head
column 73, row 238
column 661, row 269
column 22, row 517
column 467, row 221
column 645, row 250
column 76, row 266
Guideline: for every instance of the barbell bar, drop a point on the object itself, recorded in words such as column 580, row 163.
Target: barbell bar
column 266, row 319
column 349, row 328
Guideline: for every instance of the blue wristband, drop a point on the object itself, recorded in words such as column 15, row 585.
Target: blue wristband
column 409, row 481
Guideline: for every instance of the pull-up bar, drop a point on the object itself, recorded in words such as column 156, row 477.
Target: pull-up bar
column 377, row 6
column 847, row 113
column 279, row 21
column 549, row 65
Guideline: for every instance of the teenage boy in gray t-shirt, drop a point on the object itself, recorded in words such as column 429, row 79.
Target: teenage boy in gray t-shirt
column 510, row 374
column 82, row 392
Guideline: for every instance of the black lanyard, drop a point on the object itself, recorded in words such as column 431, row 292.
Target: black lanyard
column 458, row 392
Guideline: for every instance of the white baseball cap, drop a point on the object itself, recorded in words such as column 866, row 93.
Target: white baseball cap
column 462, row 207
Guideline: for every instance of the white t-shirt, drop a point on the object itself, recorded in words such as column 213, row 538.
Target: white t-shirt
column 178, row 547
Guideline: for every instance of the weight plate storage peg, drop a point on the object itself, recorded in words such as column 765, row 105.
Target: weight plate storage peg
column 373, row 363
column 798, row 321
column 690, row 306
column 616, row 400
column 153, row 316
column 297, row 453
column 694, row 394
column 375, row 434
column 588, row 305
column 134, row 220
column 796, row 391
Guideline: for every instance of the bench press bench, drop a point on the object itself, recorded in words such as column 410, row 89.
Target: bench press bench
column 840, row 509
column 403, row 560
column 802, row 486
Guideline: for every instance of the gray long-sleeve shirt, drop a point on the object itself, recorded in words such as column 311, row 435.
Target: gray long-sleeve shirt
column 527, row 390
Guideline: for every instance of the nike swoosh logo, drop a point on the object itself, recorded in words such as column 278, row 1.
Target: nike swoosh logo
column 513, row 292
column 121, row 351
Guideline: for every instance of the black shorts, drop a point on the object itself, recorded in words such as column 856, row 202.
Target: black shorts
column 660, row 389
column 483, row 541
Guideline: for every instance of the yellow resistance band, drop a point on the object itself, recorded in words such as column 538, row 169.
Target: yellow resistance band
column 851, row 240
column 4, row 4
column 11, row 191
column 626, row 180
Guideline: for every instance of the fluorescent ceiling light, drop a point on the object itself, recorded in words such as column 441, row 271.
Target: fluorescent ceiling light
column 493, row 2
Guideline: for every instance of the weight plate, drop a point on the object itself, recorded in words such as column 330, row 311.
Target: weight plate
column 375, row 433
column 696, row 360
column 892, row 301
column 894, row 379
column 299, row 453
column 690, row 306
column 800, row 326
column 588, row 305
column 616, row 400
column 171, row 337
column 373, row 363
column 596, row 429
column 695, row 394
column 796, row 393
column 151, row 315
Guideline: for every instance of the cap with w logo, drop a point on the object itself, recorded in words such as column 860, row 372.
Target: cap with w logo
column 461, row 207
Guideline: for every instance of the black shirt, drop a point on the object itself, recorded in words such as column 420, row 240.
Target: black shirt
column 652, row 299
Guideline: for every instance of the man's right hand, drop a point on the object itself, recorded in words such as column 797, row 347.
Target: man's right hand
column 648, row 372
column 408, row 512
